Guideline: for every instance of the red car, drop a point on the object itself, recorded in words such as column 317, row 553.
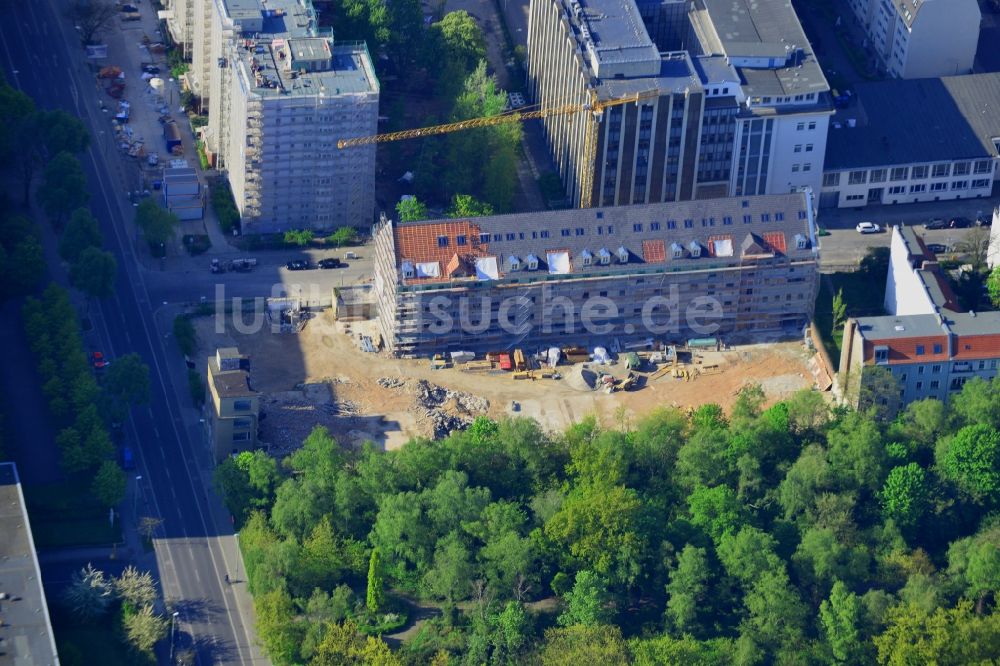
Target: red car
column 99, row 361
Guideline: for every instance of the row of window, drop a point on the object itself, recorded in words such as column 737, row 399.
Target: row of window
column 802, row 167
column 918, row 172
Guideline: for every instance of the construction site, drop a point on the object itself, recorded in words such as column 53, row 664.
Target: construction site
column 320, row 375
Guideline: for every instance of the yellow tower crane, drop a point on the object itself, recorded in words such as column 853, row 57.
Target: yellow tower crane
column 595, row 108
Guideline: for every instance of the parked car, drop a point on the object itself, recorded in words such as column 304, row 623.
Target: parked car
column 937, row 248
column 960, row 223
column 868, row 228
column 298, row 265
column 330, row 262
column 984, row 221
column 99, row 361
column 936, row 223
column 128, row 461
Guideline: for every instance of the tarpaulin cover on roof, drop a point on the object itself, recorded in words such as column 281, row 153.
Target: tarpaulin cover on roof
column 558, row 262
column 723, row 247
column 429, row 269
column 486, row 268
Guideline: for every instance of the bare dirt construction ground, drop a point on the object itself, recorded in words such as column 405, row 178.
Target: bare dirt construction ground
column 363, row 396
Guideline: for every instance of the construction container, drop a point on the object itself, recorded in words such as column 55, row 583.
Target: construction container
column 632, row 361
column 171, row 135
column 703, row 343
column 576, row 354
column 505, row 362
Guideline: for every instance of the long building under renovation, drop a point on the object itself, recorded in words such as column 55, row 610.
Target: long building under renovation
column 739, row 269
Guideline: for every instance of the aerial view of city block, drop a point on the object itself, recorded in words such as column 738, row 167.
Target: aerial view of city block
column 495, row 332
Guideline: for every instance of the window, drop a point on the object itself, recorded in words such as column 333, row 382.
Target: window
column 935, row 369
column 611, row 230
column 655, row 226
column 941, row 170
column 688, row 224
column 459, row 240
column 882, row 354
column 916, row 189
column 939, row 187
column 637, row 228
column 899, row 173
column 878, row 176
column 497, row 238
column 241, row 405
column 765, row 217
column 511, row 236
column 809, row 147
column 565, row 232
column 580, row 231
column 857, row 178
column 937, row 350
column 747, row 219
column 798, row 148
column 803, row 215
column 920, row 350
column 935, row 384
column 544, row 233
column 919, row 172
column 807, row 166
column 727, row 220
column 980, row 182
column 484, row 238
column 799, row 127
column 745, row 203
column 241, row 437
column 920, row 386
column 795, row 168
column 984, row 166
column 960, row 185
column 442, row 241
column 779, row 217
column 812, row 125
column 897, row 189
column 961, row 169
column 831, row 179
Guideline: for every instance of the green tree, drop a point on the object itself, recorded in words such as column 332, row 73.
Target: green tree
column 247, row 483
column 89, row 594
column 715, row 510
column 93, row 272
column 905, row 495
column 64, row 188
column 279, row 630
column 144, row 629
column 971, row 458
column 158, row 225
column 839, row 310
column 299, row 237
column 993, row 286
column 451, row 574
column 375, row 595
column 458, row 39
column 879, row 393
column 80, row 233
column 63, row 132
column 915, row 635
column 587, row 604
column 841, row 616
column 92, row 18
column 411, row 210
column 687, row 590
column 974, row 563
column 108, row 486
column 343, row 236
column 135, row 587
column 977, row 402
column 572, row 646
column 466, row 206
column 342, row 645
column 127, row 380
column 24, row 266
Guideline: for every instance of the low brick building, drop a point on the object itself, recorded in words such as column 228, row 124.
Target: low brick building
column 743, row 268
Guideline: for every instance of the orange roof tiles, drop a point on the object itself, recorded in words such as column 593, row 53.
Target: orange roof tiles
column 776, row 239
column 654, row 251
column 968, row 347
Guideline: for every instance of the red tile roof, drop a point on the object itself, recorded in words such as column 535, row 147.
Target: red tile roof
column 419, row 243
column 776, row 240
column 969, row 347
column 654, row 251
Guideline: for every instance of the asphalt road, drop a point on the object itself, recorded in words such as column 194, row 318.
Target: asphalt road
column 40, row 55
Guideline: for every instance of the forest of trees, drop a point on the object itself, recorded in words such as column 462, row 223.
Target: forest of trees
column 795, row 534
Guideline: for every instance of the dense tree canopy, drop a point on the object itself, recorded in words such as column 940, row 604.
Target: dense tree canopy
column 783, row 534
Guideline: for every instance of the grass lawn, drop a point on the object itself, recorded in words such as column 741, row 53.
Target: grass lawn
column 64, row 514
column 863, row 295
column 83, row 644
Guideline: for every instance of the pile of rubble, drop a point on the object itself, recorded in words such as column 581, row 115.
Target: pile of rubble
column 444, row 410
column 290, row 416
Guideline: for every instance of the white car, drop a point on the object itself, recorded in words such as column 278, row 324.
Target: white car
column 868, row 228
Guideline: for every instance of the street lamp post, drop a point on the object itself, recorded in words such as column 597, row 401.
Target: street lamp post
column 135, row 498
column 173, row 620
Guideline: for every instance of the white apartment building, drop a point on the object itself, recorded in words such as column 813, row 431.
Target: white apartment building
column 280, row 95
column 741, row 106
column 906, row 141
column 921, row 38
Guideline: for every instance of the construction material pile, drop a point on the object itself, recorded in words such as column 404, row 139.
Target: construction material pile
column 443, row 409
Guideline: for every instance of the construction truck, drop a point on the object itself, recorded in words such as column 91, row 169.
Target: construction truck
column 440, row 362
